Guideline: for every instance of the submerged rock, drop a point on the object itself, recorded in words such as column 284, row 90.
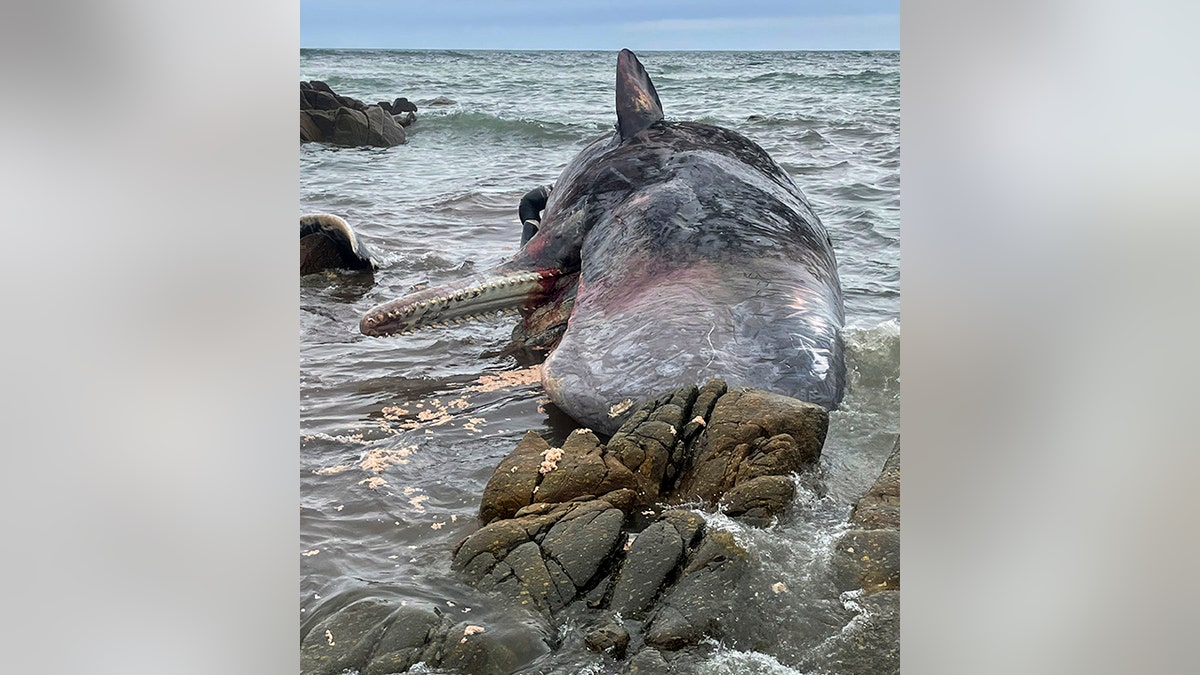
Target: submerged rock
column 868, row 556
column 377, row 636
column 609, row 637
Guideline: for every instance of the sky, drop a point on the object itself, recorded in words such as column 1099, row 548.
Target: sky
column 645, row 25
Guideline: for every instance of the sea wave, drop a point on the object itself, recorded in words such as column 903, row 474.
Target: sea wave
column 474, row 123
column 873, row 356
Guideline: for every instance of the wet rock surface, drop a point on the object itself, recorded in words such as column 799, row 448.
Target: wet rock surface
column 867, row 556
column 327, row 117
column 562, row 523
column 376, row 636
column 595, row 531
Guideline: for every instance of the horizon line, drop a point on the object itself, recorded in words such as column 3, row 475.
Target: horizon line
column 506, row 49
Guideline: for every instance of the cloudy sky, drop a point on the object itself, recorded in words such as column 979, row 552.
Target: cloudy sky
column 601, row 24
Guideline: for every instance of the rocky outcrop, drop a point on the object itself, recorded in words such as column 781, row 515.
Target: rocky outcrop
column 736, row 448
column 868, row 555
column 589, row 529
column 327, row 117
column 567, row 524
column 376, row 636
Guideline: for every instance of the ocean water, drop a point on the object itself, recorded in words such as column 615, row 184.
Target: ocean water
column 399, row 435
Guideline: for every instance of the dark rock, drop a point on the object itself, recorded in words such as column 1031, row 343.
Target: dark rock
column 321, row 100
column 653, row 556
column 322, row 121
column 387, row 107
column 752, row 433
column 376, row 636
column 758, row 500
column 382, row 129
column 345, row 640
column 583, row 469
column 609, row 637
column 546, row 555
column 512, row 483
column 328, row 242
column 441, row 100
column 490, row 651
column 344, row 120
column 880, row 506
column 870, row 642
column 868, row 557
column 405, row 119
column 582, row 543
column 309, row 131
column 404, row 642
column 352, row 103
column 648, row 662
column 644, row 443
column 403, row 105
column 694, row 608
column 350, row 127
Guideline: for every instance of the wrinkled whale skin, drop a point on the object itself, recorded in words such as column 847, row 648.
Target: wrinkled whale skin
column 699, row 258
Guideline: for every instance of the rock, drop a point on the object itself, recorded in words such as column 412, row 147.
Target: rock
column 880, row 506
column 868, row 557
column 309, row 131
column 870, row 643
column 374, row 128
column 694, row 608
column 645, row 442
column 352, row 103
column 404, row 641
column 343, row 120
column 579, row 469
column 403, row 105
column 318, row 123
column 752, row 433
column 648, row 662
column 350, row 127
column 440, row 100
column 547, row 555
column 653, row 556
column 758, row 500
column 345, row 640
column 479, row 650
column 405, row 119
column 609, row 637
column 384, row 132
column 377, row 636
column 321, row 100
column 512, row 483
column 581, row 544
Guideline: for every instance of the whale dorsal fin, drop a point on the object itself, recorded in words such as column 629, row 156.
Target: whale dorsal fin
column 637, row 102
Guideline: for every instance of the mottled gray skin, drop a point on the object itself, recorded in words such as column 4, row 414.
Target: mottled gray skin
column 698, row 258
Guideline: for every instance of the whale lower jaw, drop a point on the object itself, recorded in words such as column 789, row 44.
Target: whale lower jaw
column 474, row 298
